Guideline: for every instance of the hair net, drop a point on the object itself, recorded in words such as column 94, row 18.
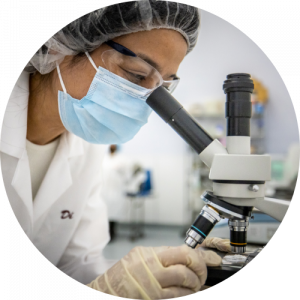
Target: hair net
column 90, row 31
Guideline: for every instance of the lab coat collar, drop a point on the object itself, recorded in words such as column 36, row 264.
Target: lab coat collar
column 56, row 181
column 58, row 177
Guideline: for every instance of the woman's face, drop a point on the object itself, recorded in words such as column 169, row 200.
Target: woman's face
column 164, row 49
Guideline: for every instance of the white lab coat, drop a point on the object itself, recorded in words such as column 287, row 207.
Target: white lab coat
column 73, row 240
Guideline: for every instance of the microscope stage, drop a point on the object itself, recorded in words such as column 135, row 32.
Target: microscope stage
column 231, row 264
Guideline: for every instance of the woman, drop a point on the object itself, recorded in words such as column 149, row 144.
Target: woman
column 84, row 88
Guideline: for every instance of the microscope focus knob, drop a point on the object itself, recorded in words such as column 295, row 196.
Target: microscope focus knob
column 253, row 188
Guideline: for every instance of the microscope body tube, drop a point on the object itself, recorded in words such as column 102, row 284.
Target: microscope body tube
column 173, row 113
column 238, row 111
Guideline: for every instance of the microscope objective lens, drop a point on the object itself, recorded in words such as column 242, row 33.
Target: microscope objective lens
column 238, row 235
column 202, row 226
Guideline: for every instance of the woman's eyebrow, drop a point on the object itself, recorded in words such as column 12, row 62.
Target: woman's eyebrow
column 149, row 61
column 154, row 64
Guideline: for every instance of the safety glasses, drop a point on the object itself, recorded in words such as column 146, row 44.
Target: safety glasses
column 126, row 64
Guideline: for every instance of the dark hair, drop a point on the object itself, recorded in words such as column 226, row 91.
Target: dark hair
column 113, row 149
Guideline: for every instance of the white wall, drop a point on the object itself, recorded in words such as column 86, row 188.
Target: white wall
column 222, row 49
column 167, row 203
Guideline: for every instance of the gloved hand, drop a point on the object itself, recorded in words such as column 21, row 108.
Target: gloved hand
column 214, row 242
column 157, row 273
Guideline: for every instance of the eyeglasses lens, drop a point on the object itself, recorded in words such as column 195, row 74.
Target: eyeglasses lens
column 135, row 70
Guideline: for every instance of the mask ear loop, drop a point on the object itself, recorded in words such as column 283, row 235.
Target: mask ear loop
column 91, row 61
column 60, row 78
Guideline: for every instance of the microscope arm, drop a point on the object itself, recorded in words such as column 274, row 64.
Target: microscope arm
column 273, row 207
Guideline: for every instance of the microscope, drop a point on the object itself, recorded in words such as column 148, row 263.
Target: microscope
column 238, row 176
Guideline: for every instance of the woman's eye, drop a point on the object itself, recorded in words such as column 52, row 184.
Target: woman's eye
column 140, row 77
column 136, row 76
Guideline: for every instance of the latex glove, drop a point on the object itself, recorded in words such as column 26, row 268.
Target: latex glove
column 157, row 273
column 214, row 242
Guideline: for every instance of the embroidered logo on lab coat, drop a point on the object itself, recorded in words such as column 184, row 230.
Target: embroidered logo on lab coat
column 66, row 214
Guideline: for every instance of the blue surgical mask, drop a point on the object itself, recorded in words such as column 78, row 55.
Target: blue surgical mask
column 112, row 112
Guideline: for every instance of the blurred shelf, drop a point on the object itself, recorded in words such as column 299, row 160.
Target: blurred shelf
column 255, row 116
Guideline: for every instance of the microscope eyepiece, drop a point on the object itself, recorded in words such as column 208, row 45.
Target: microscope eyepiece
column 238, row 82
column 238, row 108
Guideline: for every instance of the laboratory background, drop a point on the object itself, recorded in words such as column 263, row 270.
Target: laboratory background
column 153, row 183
